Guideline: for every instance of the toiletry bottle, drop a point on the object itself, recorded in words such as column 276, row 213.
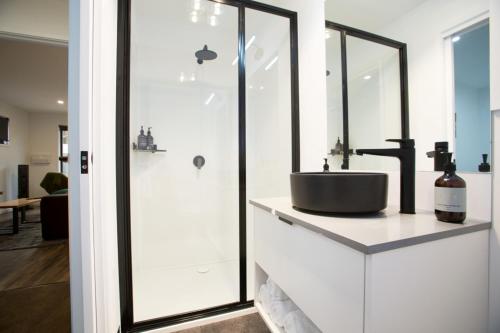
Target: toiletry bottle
column 150, row 139
column 326, row 167
column 485, row 166
column 450, row 195
column 142, row 142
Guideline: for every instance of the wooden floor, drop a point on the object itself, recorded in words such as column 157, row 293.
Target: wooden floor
column 34, row 290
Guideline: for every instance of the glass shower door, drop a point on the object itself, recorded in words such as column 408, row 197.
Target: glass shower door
column 183, row 201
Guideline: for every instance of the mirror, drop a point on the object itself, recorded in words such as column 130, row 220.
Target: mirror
column 447, row 85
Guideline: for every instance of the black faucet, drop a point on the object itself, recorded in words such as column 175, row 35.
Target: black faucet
column 406, row 155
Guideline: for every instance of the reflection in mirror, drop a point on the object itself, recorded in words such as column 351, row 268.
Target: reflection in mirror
column 334, row 98
column 448, row 66
column 374, row 101
column 365, row 97
column 471, row 97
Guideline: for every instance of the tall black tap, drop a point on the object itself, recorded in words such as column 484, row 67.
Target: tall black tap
column 406, row 155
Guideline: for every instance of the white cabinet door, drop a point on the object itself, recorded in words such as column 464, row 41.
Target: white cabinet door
column 434, row 287
column 324, row 278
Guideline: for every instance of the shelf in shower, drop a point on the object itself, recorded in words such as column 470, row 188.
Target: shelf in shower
column 152, row 151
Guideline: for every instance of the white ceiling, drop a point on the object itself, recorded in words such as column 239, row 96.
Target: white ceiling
column 33, row 75
column 368, row 15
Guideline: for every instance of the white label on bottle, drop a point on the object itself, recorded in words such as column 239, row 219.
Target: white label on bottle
column 448, row 199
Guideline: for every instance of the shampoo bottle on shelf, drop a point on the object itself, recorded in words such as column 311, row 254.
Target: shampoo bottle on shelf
column 450, row 195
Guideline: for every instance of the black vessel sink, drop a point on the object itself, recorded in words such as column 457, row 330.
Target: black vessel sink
column 339, row 192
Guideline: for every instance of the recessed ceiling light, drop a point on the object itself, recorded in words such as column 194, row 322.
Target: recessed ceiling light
column 194, row 17
column 217, row 10
column 367, row 77
column 182, row 77
column 193, row 77
column 261, row 87
column 268, row 67
column 196, row 5
column 60, row 101
column 213, row 20
column 455, row 39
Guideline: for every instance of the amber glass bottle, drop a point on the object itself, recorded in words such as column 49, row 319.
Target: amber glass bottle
column 450, row 195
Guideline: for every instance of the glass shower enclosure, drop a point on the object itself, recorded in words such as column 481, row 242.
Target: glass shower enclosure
column 208, row 119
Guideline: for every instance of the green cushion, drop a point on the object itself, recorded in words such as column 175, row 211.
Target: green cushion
column 54, row 181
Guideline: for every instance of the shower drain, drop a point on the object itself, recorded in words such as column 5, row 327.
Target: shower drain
column 203, row 270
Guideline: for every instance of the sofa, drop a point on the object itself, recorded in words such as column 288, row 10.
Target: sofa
column 54, row 216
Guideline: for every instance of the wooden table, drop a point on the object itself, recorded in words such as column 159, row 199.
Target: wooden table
column 16, row 205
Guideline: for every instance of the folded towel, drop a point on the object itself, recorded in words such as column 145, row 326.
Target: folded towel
column 265, row 298
column 297, row 322
column 275, row 292
column 279, row 310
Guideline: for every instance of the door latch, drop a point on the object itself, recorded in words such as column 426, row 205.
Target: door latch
column 84, row 162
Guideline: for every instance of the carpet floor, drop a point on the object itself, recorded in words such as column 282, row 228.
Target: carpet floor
column 252, row 323
column 29, row 236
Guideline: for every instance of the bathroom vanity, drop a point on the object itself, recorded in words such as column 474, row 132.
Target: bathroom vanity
column 383, row 273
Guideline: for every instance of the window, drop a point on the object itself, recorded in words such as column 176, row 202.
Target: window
column 471, row 99
column 63, row 149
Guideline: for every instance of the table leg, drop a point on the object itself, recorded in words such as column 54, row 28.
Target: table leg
column 15, row 220
column 23, row 214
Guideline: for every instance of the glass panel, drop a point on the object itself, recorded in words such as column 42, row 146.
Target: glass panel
column 334, row 99
column 268, row 113
column 472, row 97
column 374, row 101
column 184, row 208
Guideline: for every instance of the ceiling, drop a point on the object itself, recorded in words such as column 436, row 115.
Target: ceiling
column 34, row 75
column 368, row 15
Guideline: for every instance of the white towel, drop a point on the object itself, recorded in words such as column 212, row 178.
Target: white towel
column 275, row 292
column 297, row 322
column 265, row 298
column 279, row 310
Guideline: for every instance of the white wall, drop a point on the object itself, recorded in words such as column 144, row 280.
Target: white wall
column 47, row 19
column 494, row 318
column 43, row 132
column 16, row 152
column 426, row 66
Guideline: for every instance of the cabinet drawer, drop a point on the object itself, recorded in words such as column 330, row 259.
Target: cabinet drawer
column 324, row 278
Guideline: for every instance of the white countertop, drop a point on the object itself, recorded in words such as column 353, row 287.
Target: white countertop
column 374, row 233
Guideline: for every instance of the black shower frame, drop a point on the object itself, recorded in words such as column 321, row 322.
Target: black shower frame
column 403, row 77
column 123, row 158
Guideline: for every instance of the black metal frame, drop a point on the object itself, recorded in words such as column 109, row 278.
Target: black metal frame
column 62, row 159
column 403, row 76
column 123, row 158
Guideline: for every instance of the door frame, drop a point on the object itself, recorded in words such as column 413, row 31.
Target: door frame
column 123, row 160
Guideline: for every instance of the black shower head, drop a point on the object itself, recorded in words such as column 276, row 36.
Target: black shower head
column 205, row 54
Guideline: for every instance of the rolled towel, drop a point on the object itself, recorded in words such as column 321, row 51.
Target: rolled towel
column 265, row 298
column 275, row 292
column 297, row 322
column 279, row 310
